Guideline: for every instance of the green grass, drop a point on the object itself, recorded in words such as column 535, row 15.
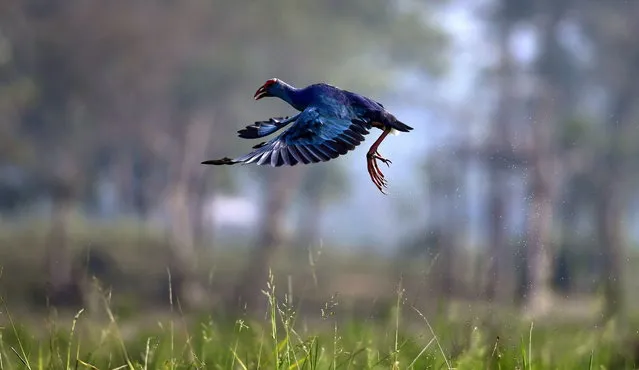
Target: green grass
column 281, row 339
column 371, row 325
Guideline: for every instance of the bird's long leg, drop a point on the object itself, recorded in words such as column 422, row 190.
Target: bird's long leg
column 372, row 156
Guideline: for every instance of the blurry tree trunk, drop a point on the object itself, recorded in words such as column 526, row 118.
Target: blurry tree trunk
column 310, row 221
column 445, row 269
column 182, row 243
column 124, row 180
column 497, row 251
column 192, row 144
column 319, row 186
column 609, row 220
column 63, row 290
column 198, row 197
column 611, row 194
column 279, row 191
column 444, row 220
column 141, row 193
column 544, row 167
column 536, row 288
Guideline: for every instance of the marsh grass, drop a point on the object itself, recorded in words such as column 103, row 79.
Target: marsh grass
column 316, row 329
column 284, row 340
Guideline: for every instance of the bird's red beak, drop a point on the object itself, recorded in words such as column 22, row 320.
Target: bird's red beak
column 260, row 93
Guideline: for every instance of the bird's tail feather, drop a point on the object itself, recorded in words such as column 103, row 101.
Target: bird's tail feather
column 218, row 162
column 401, row 126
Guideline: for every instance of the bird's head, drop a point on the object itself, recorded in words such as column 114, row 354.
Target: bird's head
column 269, row 88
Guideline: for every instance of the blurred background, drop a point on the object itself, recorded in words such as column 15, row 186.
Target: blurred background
column 514, row 192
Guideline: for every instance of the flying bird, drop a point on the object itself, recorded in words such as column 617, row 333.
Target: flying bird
column 331, row 123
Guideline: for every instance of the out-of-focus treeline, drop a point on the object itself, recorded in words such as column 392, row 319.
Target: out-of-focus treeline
column 108, row 108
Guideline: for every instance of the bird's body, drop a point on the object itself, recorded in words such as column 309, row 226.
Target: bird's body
column 331, row 122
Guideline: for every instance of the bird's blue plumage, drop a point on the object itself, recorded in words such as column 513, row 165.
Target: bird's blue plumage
column 318, row 134
column 331, row 122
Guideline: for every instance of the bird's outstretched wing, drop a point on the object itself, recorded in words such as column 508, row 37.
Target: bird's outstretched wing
column 318, row 134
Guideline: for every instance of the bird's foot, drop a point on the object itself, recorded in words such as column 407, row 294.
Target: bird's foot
column 386, row 161
column 375, row 173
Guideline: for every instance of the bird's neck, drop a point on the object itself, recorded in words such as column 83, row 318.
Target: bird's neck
column 291, row 95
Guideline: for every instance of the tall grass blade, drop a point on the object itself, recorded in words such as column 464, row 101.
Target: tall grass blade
column 75, row 320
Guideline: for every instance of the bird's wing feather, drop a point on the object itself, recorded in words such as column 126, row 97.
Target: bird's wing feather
column 265, row 128
column 318, row 134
